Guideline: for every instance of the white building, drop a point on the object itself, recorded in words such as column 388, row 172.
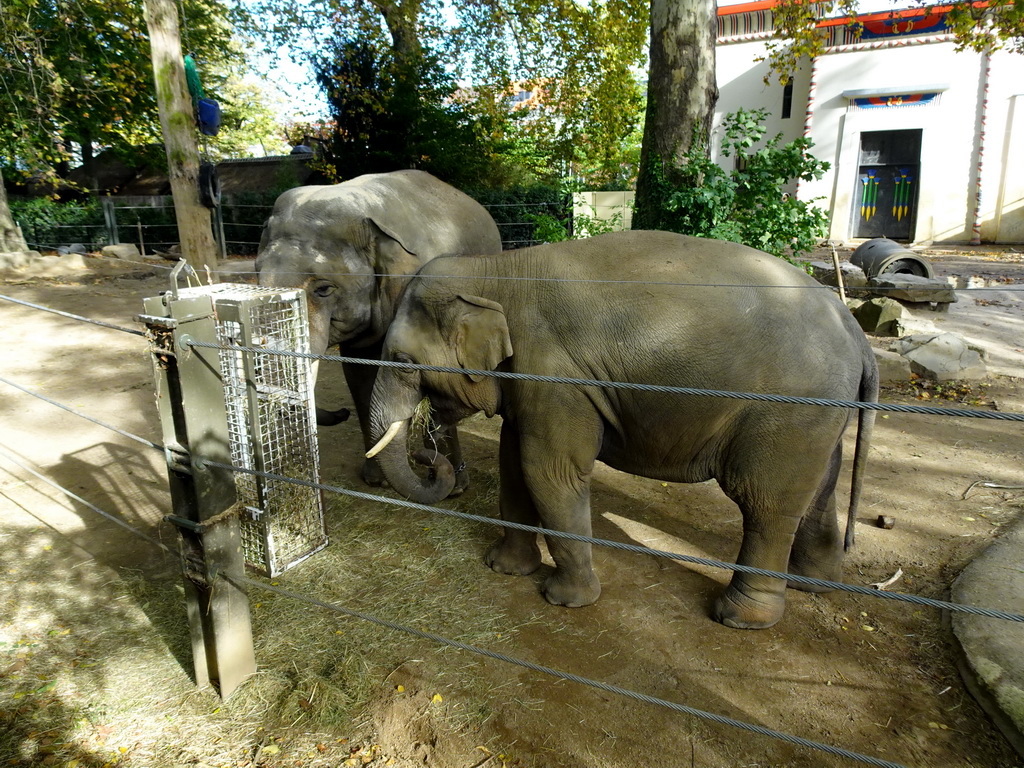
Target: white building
column 925, row 143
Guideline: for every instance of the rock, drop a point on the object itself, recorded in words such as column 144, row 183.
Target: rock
column 892, row 366
column 17, row 259
column 916, row 321
column 879, row 316
column 75, row 248
column 122, row 251
column 942, row 356
column 173, row 253
column 990, row 659
column 913, row 288
column 825, row 273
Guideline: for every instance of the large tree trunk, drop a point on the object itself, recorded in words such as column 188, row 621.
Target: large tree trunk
column 11, row 239
column 195, row 229
column 681, row 96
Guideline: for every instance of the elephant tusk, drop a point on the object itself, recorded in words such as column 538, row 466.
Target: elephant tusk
column 383, row 442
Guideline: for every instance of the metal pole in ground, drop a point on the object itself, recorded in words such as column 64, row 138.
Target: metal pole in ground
column 190, row 399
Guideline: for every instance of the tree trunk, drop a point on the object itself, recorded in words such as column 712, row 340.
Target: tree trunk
column 11, row 239
column 89, row 162
column 195, row 229
column 681, row 96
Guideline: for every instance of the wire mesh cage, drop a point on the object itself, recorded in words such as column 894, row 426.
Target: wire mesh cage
column 271, row 423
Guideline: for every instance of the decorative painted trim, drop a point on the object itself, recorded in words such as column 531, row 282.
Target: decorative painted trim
column 754, row 21
column 894, row 100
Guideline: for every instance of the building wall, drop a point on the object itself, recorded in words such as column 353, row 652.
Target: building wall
column 950, row 128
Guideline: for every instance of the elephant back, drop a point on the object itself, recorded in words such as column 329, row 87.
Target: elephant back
column 427, row 216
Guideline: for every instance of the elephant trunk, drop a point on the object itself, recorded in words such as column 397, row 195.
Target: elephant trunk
column 318, row 337
column 394, row 462
column 390, row 432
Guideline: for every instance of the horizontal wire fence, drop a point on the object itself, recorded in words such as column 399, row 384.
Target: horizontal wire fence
column 150, row 224
column 618, row 545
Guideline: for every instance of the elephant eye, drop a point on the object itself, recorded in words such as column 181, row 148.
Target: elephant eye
column 401, row 357
column 323, row 290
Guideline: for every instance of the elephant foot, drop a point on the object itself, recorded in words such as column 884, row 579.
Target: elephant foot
column 740, row 611
column 572, row 592
column 325, row 418
column 800, row 567
column 461, row 483
column 514, row 558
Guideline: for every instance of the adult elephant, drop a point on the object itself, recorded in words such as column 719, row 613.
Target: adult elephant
column 353, row 247
column 651, row 308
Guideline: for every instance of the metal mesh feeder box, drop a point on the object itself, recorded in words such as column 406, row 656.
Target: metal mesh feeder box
column 271, row 423
column 259, row 413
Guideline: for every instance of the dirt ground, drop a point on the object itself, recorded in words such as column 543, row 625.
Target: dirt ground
column 95, row 667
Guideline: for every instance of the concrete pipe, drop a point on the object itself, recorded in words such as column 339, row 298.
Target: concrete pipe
column 883, row 256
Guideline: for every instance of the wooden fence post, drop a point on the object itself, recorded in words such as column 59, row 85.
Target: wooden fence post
column 190, row 398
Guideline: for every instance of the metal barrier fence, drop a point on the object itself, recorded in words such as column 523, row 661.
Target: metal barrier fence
column 242, row 581
column 150, row 224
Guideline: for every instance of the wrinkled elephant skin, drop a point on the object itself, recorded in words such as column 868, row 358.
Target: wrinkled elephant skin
column 353, row 247
column 650, row 308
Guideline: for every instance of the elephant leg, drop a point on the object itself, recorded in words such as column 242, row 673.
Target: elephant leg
column 445, row 438
column 558, row 461
column 360, row 380
column 752, row 601
column 775, row 485
column 516, row 552
column 818, row 548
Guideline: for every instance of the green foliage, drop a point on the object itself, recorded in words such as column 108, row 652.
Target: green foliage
column 78, row 73
column 548, row 228
column 579, row 60
column 391, row 112
column 747, row 205
column 45, row 222
column 976, row 26
column 524, row 213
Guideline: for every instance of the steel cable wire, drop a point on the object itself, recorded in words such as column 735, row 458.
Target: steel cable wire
column 90, row 320
column 657, row 388
column 78, row 413
column 635, row 548
column 663, row 283
column 88, row 504
column 721, row 719
column 568, row 676
column 241, row 581
column 617, row 545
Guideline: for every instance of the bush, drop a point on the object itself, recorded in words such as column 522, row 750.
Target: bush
column 46, row 223
column 747, row 205
column 522, row 213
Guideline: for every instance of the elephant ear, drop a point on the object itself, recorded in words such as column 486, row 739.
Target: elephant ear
column 393, row 262
column 392, row 221
column 481, row 337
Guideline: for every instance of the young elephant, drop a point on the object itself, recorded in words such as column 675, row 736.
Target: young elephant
column 652, row 308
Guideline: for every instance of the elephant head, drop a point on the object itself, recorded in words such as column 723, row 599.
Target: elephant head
column 435, row 328
column 351, row 257
column 352, row 247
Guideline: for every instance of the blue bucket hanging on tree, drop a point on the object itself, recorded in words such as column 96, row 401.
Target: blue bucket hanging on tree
column 207, row 110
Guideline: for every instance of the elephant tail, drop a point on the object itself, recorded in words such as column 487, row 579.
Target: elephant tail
column 868, row 393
